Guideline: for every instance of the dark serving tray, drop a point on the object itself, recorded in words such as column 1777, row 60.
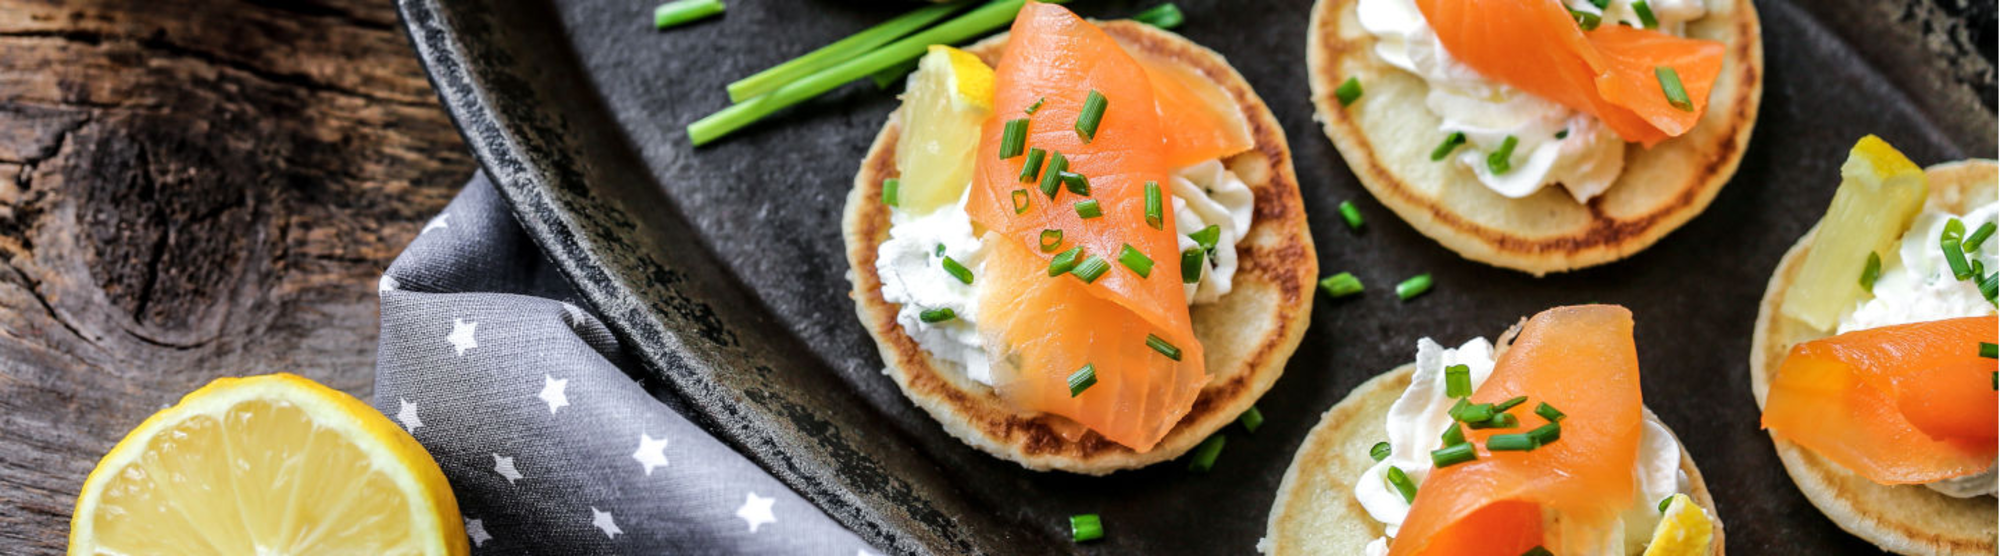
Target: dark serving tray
column 723, row 266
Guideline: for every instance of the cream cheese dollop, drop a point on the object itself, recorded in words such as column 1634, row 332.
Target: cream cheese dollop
column 1423, row 411
column 910, row 262
column 1554, row 144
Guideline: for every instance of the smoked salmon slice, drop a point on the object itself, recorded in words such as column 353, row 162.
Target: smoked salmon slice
column 1903, row 404
column 1042, row 329
column 1609, row 72
column 1582, row 361
column 1199, row 119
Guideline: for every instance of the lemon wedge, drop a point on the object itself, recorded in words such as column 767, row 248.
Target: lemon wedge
column 948, row 99
column 274, row 464
column 1881, row 191
column 1684, row 530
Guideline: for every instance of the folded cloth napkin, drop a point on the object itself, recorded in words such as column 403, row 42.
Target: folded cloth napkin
column 529, row 406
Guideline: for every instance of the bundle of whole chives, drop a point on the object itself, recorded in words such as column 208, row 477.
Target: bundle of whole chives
column 854, row 45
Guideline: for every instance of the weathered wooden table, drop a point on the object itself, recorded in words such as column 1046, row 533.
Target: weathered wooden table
column 191, row 189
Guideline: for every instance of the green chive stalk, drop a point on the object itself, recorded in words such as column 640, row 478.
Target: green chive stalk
column 682, row 12
column 827, row 56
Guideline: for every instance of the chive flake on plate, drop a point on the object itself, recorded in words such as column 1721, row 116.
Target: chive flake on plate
column 958, row 271
column 1052, row 175
column 1510, row 443
column 1397, row 478
column 1454, row 455
column 1351, row 214
column 1093, row 114
column 1645, row 13
column 1191, row 266
column 1501, row 160
column 1030, row 110
column 1051, row 240
column 1341, row 285
column 1082, row 379
column 1090, row 269
column 1251, row 418
column 1414, row 286
column 1670, row 83
column 1453, row 435
column 1164, row 16
column 682, row 12
column 1349, row 91
column 1549, row 412
column 1871, row 272
column 1978, row 237
column 1065, row 261
column 1952, row 242
column 1153, row 206
column 1380, row 451
column 1989, row 350
column 1031, row 168
column 1165, row 348
column 1076, row 183
column 1204, row 455
column 1547, row 434
column 1140, row 264
column 889, row 191
column 1085, row 528
column 1088, row 209
column 1014, row 140
column 842, row 50
column 1451, row 143
column 1457, row 381
column 1206, row 237
column 937, row 315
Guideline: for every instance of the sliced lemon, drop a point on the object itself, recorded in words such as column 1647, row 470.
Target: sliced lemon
column 1684, row 530
column 1881, row 191
column 274, row 464
column 948, row 99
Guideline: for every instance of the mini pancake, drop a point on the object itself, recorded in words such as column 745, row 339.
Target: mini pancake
column 1316, row 512
column 1907, row 519
column 1387, row 136
column 1248, row 334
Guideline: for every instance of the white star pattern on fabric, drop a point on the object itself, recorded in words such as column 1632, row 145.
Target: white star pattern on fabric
column 604, row 523
column 575, row 314
column 387, row 284
column 756, row 511
column 652, row 453
column 505, row 467
column 435, row 223
column 477, row 530
column 407, row 413
column 552, row 392
column 461, row 336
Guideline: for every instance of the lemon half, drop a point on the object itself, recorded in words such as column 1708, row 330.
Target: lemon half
column 948, row 99
column 274, row 464
column 1684, row 530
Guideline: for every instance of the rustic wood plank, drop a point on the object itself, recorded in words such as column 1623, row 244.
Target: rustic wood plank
column 191, row 189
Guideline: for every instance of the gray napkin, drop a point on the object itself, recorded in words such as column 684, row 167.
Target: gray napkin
column 528, row 405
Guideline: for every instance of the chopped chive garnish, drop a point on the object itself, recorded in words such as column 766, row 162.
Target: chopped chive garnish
column 1140, row 264
column 1954, row 253
column 840, row 51
column 1664, row 502
column 1020, row 200
column 1453, row 435
column 1164, row 16
column 1414, row 286
column 1085, row 527
column 1397, row 478
column 1601, row 4
column 682, row 12
column 1501, row 160
column 1451, row 143
column 1076, row 183
column 1165, row 348
column 1341, row 285
column 1871, row 272
column 1380, row 451
column 1191, row 265
column 1064, row 261
column 1031, row 168
column 1989, row 350
column 1497, row 421
column 889, row 191
column 1082, row 379
column 958, row 271
column 1645, row 13
column 1454, row 455
column 1206, row 237
column 1548, row 412
column 1978, row 237
column 1547, row 434
column 937, row 315
column 1036, row 106
column 1351, row 214
column 1510, row 443
column 1348, row 91
column 1052, row 175
column 1539, row 551
column 1090, row 269
column 1051, row 241
column 1468, row 412
column 1088, row 209
column 1457, row 381
column 1093, row 114
column 1014, row 140
column 1670, row 82
column 1204, row 455
column 1564, row 134
column 939, row 251
column 1509, row 404
column 1251, row 419
column 1990, row 286
column 1153, row 204
column 1586, row 20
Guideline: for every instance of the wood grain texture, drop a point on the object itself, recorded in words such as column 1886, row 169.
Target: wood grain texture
column 191, row 189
